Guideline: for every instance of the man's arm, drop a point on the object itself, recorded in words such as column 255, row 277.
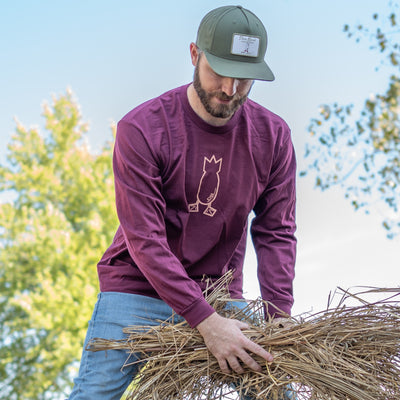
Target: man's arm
column 273, row 230
column 141, row 209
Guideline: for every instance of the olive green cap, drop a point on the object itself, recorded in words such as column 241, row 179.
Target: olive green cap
column 234, row 42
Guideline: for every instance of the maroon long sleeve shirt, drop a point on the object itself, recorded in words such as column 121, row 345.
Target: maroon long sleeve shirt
column 184, row 192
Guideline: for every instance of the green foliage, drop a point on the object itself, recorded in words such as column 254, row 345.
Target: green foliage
column 362, row 154
column 57, row 221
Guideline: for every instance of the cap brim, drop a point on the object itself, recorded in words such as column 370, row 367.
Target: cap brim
column 238, row 69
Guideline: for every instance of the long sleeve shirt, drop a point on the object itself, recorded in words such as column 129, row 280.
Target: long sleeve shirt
column 184, row 192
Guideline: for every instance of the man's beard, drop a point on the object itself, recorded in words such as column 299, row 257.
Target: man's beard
column 217, row 110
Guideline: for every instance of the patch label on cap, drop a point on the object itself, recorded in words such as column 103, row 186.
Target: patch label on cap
column 243, row 45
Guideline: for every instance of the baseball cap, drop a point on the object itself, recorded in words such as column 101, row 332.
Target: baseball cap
column 234, row 41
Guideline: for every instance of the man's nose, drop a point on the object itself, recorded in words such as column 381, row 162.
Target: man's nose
column 229, row 85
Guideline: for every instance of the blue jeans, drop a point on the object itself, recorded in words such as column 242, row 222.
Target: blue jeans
column 101, row 376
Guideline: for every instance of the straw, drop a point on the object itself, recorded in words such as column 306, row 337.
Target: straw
column 346, row 352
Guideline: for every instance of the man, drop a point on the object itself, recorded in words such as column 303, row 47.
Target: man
column 190, row 166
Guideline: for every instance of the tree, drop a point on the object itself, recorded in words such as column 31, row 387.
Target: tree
column 57, row 219
column 362, row 154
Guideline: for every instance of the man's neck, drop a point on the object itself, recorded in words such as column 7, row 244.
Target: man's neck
column 199, row 109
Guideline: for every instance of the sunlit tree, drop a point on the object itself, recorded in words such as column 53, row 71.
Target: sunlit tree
column 361, row 153
column 57, row 217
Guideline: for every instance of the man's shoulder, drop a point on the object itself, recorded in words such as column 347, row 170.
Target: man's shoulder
column 154, row 105
column 260, row 111
column 262, row 116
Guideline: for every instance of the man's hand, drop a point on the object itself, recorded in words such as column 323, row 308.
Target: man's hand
column 226, row 341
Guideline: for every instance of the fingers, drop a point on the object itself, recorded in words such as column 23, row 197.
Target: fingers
column 224, row 366
column 233, row 362
column 253, row 348
column 236, row 361
column 250, row 362
column 256, row 349
column 235, row 365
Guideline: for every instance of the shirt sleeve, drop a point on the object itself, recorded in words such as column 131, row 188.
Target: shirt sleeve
column 141, row 210
column 273, row 229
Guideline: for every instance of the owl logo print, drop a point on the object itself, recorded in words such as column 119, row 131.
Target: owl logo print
column 208, row 186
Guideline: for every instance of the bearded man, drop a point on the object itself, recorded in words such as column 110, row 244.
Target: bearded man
column 190, row 166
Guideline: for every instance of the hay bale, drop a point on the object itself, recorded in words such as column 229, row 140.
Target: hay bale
column 344, row 352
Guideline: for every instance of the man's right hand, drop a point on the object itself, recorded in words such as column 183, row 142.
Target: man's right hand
column 225, row 340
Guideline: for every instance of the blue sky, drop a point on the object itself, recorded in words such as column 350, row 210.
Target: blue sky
column 116, row 54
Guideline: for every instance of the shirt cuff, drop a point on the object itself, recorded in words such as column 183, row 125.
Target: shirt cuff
column 197, row 312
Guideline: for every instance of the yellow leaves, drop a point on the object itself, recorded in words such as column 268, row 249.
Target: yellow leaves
column 392, row 18
column 55, row 227
column 325, row 112
column 95, row 223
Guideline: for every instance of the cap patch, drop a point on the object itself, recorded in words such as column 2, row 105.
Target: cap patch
column 243, row 45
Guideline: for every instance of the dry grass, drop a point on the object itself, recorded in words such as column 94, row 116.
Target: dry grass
column 346, row 352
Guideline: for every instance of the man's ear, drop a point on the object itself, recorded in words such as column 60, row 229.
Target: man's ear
column 194, row 53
